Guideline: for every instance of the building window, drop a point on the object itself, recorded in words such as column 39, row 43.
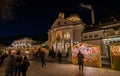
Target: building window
column 116, row 28
column 58, row 23
column 58, row 38
column 65, row 23
column 67, row 35
column 96, row 35
column 85, row 37
column 90, row 36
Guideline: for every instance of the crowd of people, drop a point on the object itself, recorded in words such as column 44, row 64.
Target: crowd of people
column 14, row 63
column 53, row 54
column 40, row 54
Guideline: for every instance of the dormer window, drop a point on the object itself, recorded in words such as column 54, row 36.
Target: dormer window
column 67, row 35
column 96, row 35
column 58, row 23
column 90, row 36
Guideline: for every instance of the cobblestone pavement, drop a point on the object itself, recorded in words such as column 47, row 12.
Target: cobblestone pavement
column 56, row 69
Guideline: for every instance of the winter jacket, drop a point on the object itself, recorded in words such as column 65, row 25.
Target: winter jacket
column 9, row 63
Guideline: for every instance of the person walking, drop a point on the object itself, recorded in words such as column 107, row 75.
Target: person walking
column 24, row 65
column 9, row 64
column 42, row 58
column 80, row 61
column 59, row 55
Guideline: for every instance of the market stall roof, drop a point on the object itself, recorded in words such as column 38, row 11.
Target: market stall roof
column 85, row 44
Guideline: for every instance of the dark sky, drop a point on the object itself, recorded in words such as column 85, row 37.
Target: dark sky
column 35, row 17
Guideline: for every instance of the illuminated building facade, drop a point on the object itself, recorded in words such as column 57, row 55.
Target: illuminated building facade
column 65, row 32
column 103, row 35
column 23, row 43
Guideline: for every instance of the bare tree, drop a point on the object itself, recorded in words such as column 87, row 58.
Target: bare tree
column 6, row 8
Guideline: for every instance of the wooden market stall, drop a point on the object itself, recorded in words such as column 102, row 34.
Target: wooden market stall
column 115, row 55
column 90, row 52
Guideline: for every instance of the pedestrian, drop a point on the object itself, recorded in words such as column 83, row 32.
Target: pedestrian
column 59, row 55
column 52, row 53
column 9, row 64
column 18, row 63
column 42, row 58
column 24, row 65
column 34, row 56
column 67, row 54
column 80, row 61
column 2, row 57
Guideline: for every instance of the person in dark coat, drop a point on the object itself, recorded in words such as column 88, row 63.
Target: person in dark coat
column 67, row 54
column 9, row 64
column 52, row 53
column 24, row 65
column 42, row 56
column 59, row 55
column 18, row 63
column 80, row 60
column 2, row 57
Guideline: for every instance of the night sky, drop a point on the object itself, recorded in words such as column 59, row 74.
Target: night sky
column 35, row 17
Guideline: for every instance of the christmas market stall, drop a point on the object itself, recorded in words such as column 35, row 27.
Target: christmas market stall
column 115, row 55
column 91, row 54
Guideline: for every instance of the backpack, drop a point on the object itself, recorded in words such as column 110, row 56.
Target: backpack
column 80, row 57
column 18, row 60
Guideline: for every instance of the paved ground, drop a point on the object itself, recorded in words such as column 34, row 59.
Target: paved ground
column 56, row 69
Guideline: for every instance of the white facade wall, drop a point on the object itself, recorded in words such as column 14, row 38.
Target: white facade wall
column 95, row 42
column 86, row 36
column 77, row 33
column 65, row 27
